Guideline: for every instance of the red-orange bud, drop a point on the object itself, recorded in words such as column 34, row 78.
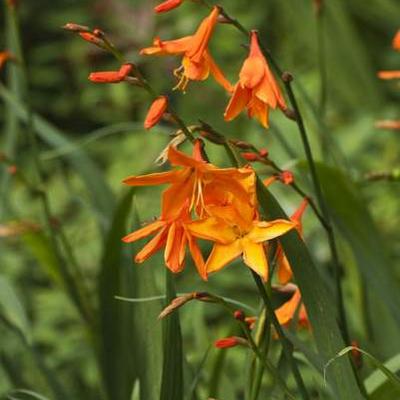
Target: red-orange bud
column 251, row 322
column 167, row 6
column 91, row 38
column 263, row 153
column 251, row 157
column 72, row 27
column 231, row 341
column 239, row 315
column 356, row 355
column 125, row 70
column 4, row 57
column 12, row 169
column 156, row 111
column 286, row 177
column 106, row 77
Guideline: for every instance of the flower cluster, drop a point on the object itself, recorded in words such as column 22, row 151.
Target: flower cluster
column 210, row 203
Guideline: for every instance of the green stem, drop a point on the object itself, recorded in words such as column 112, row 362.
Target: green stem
column 286, row 344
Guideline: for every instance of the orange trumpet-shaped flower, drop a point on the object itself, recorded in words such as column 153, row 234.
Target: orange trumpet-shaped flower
column 387, row 75
column 396, row 41
column 287, row 311
column 236, row 235
column 194, row 186
column 257, row 89
column 197, row 63
column 170, row 233
column 284, row 270
column 167, row 6
column 156, row 112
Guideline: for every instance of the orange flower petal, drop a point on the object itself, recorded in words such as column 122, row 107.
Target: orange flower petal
column 396, row 41
column 238, row 101
column 212, row 229
column 217, row 73
column 152, row 246
column 254, row 257
column 202, row 36
column 196, row 71
column 263, row 230
column 286, row 312
column 197, row 256
column 176, row 157
column 284, row 270
column 221, row 255
column 168, row 47
column 143, row 232
column 158, row 178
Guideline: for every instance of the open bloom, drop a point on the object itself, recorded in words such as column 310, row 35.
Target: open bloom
column 257, row 89
column 192, row 187
column 284, row 270
column 197, row 63
column 235, row 234
column 167, row 6
column 287, row 311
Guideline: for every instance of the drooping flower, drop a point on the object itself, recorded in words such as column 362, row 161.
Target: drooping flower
column 197, row 63
column 287, row 311
column 257, row 89
column 167, row 5
column 235, row 233
column 156, row 112
column 284, row 271
column 396, row 41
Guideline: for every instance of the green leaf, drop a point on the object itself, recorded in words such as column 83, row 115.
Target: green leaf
column 172, row 374
column 376, row 379
column 317, row 299
column 116, row 322
column 354, row 221
column 12, row 310
column 101, row 195
column 380, row 385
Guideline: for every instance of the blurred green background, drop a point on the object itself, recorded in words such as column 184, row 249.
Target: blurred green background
column 91, row 137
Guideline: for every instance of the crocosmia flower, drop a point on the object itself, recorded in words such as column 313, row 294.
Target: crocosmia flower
column 257, row 89
column 287, row 311
column 197, row 63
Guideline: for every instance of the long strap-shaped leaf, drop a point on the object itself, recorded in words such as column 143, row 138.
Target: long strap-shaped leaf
column 317, row 300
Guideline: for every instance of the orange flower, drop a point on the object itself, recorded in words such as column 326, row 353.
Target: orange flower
column 287, row 311
column 284, row 270
column 197, row 63
column 396, row 41
column 167, row 6
column 386, row 75
column 4, row 57
column 191, row 187
column 257, row 89
column 236, row 233
column 156, row 111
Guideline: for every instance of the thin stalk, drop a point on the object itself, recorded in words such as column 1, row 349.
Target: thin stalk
column 287, row 346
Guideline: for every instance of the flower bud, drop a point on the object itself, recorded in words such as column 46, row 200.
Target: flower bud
column 72, row 27
column 251, row 157
column 392, row 125
column 396, row 41
column 251, row 322
column 239, row 315
column 125, row 70
column 263, row 152
column 12, row 169
column 4, row 57
column 231, row 341
column 356, row 355
column 167, row 6
column 386, row 75
column 175, row 304
column 91, row 38
column 286, row 177
column 156, row 111
column 106, row 77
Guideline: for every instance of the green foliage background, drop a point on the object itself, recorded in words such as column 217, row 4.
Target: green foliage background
column 91, row 137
